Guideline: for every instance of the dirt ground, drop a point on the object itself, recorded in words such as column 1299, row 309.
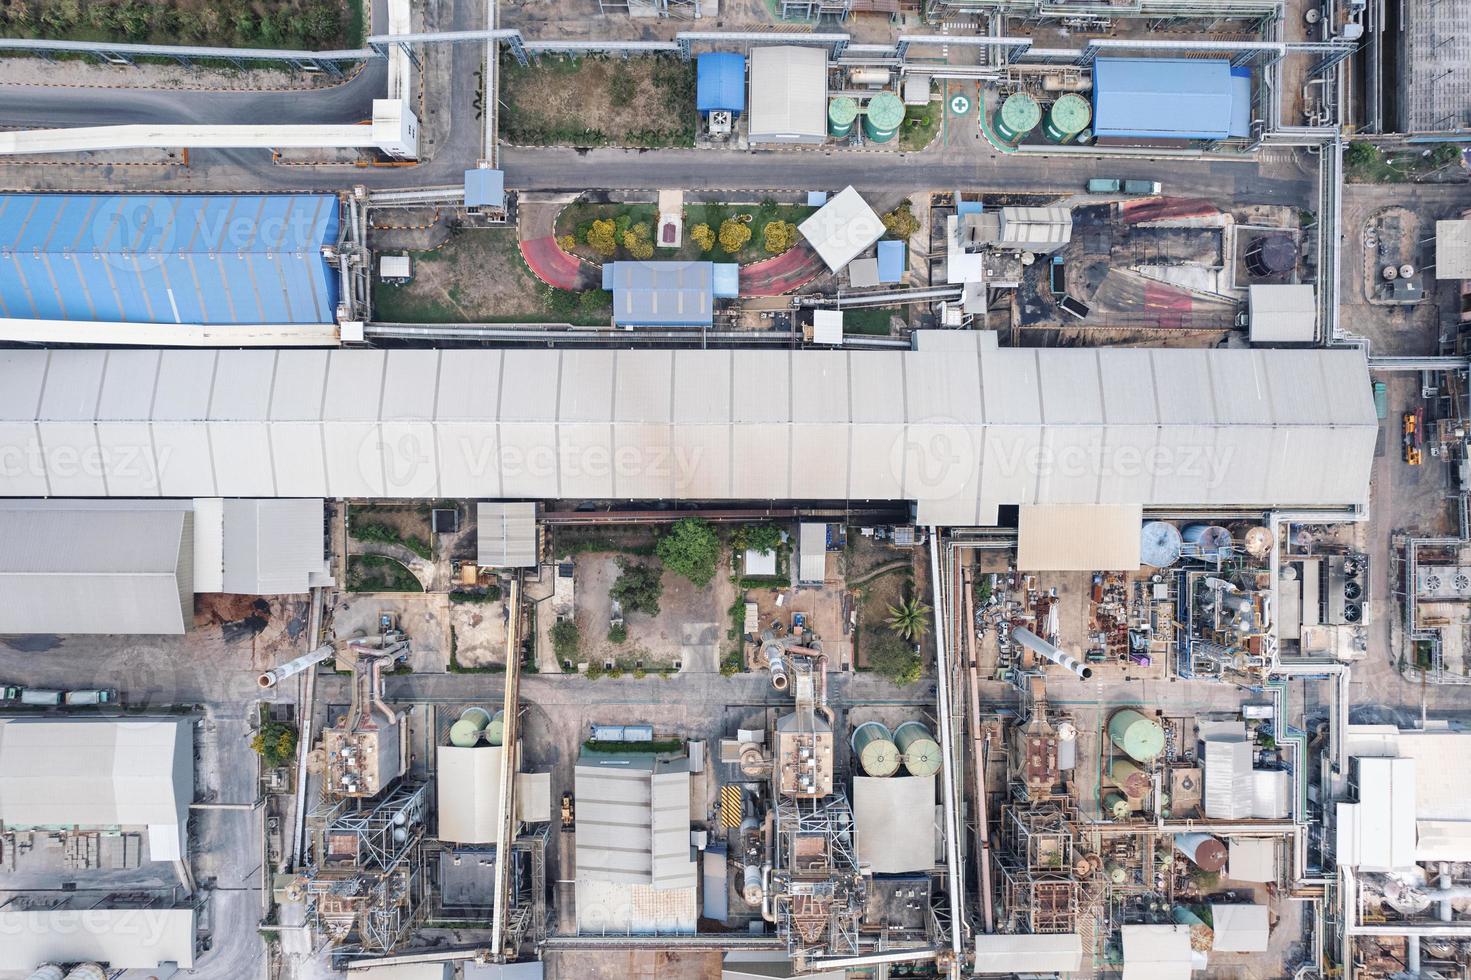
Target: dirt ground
column 427, row 619
column 272, row 626
column 475, row 276
column 826, row 612
column 690, row 626
column 634, row 101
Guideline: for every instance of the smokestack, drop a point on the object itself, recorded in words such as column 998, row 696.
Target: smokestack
column 1047, row 651
column 276, row 675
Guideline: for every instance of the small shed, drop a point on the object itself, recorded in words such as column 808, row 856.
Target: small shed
column 863, row 273
column 759, row 564
column 812, row 549
column 1282, row 314
column 505, row 534
column 827, row 326
column 720, row 82
column 1240, row 928
column 395, row 267
column 891, row 261
column 485, row 188
column 1252, row 859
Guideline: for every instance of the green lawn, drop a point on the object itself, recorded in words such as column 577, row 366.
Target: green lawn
column 375, row 573
column 1367, row 163
column 921, row 123
column 872, row 322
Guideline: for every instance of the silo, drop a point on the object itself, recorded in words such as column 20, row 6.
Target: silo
column 87, row 971
column 1134, row 782
column 1211, row 539
column 1117, row 873
column 1204, row 851
column 466, row 731
column 921, row 752
column 1159, row 544
column 495, row 732
column 1019, row 115
column 1068, row 117
column 1137, row 736
column 1116, row 806
column 875, row 749
column 841, row 112
column 1271, row 255
column 47, row 971
column 882, row 117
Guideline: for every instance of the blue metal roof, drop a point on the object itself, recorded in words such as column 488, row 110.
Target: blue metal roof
column 661, row 294
column 1241, row 101
column 720, row 81
column 485, row 188
column 1162, row 98
column 213, row 259
column 891, row 260
column 727, row 280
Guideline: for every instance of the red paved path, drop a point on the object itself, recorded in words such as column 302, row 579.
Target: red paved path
column 555, row 267
column 781, row 274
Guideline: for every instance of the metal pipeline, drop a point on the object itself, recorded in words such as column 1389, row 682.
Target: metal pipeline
column 291, row 668
column 820, row 666
column 1047, row 651
column 766, row 910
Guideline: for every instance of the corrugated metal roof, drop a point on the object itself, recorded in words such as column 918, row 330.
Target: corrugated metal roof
column 273, row 547
column 812, row 552
column 959, row 431
column 505, row 534
column 1453, row 249
column 1078, row 538
column 177, row 258
column 1030, row 953
column 891, row 260
column 633, row 821
column 1240, row 928
column 1156, row 952
column 843, row 228
column 485, row 188
column 96, row 566
column 469, row 781
column 720, row 81
column 788, row 94
column 895, row 819
column 661, row 294
column 1282, row 314
column 1228, row 780
column 1034, row 229
column 1162, row 98
column 124, row 939
column 99, row 773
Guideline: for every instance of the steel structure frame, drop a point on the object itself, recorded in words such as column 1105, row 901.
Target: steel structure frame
column 837, row 884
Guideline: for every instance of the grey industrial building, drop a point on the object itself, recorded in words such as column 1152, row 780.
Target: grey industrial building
column 1435, row 55
column 960, row 426
column 788, row 94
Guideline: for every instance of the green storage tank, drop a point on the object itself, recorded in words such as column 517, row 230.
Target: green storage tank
column 877, row 754
column 921, row 752
column 495, row 732
column 1116, row 806
column 841, row 113
column 882, row 117
column 1068, row 117
column 467, row 730
column 1137, row 736
column 1117, row 873
column 1019, row 115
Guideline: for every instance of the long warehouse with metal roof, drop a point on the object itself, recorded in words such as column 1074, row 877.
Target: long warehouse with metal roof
column 958, row 426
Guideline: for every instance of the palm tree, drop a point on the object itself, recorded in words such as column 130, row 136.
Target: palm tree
column 910, row 619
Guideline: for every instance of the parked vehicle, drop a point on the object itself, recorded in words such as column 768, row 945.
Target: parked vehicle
column 40, row 697
column 1057, row 276
column 90, row 697
column 569, row 812
column 9, row 692
column 1104, row 185
column 1142, row 187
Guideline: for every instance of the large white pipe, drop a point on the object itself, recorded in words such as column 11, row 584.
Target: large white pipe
column 1047, row 651
column 290, row 668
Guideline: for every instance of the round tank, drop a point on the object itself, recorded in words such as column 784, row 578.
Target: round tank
column 882, row 117
column 875, row 749
column 868, row 76
column 1127, row 776
column 1137, row 736
column 1068, row 117
column 87, row 971
column 1271, row 255
column 1116, row 872
column 921, row 752
column 841, row 112
column 1211, row 539
column 1086, row 136
column 1390, row 273
column 495, row 732
column 1204, row 851
column 464, row 733
column 1116, row 806
column 1406, row 271
column 477, row 714
column 1159, row 544
column 47, row 971
column 1019, row 115
column 751, row 884
column 1257, row 541
column 1164, row 855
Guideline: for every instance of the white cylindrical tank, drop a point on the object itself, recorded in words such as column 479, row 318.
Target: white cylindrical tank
column 751, row 884
column 868, row 76
column 87, row 971
column 46, row 971
column 1406, row 271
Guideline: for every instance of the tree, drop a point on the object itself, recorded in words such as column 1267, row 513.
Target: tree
column 757, row 537
column 734, row 235
column 901, row 222
column 1361, row 154
column 275, row 743
column 600, row 238
column 778, row 236
column 702, row 236
column 567, row 242
column 910, row 619
column 638, row 587
column 691, row 548
column 566, row 638
column 638, row 247
column 892, row 657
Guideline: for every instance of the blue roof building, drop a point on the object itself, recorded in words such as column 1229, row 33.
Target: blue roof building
column 485, row 188
column 666, row 294
column 720, row 81
column 1167, row 99
column 191, row 259
column 891, row 260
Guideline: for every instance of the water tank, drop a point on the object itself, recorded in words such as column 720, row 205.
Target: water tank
column 463, row 734
column 1159, row 544
column 495, row 732
column 1137, row 736
column 1204, row 851
column 1116, row 872
column 1406, row 271
column 87, row 971
column 751, row 884
column 882, row 117
column 921, row 752
column 47, row 971
column 1271, row 255
column 1127, row 776
column 1068, row 117
column 1257, row 541
column 400, row 834
column 1164, row 855
column 1210, row 539
column 1390, row 273
column 1116, row 806
column 841, row 112
column 875, row 749
column 1019, row 115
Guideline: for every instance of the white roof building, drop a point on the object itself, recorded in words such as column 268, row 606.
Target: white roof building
column 95, row 773
column 260, row 546
column 827, row 327
column 1240, row 928
column 960, row 426
column 469, row 786
column 788, row 94
column 1157, row 952
column 895, row 819
column 812, row 553
column 1453, row 249
column 843, row 229
column 1078, row 538
column 759, row 563
column 1413, row 797
column 1029, row 953
column 1252, row 859
column 121, row 938
column 1282, row 314
column 505, row 534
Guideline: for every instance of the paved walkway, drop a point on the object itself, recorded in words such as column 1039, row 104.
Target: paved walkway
column 536, row 226
column 784, row 273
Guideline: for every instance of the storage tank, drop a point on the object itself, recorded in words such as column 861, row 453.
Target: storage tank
column 875, row 749
column 1018, row 116
column 46, row 971
column 1204, row 851
column 841, row 112
column 921, row 752
column 1211, row 539
column 882, row 117
column 1116, row 806
column 1159, row 544
column 1137, row 736
column 1116, row 872
column 495, row 732
column 1257, row 541
column 1068, row 117
column 1127, row 776
column 87, row 971
column 1271, row 255
column 466, row 731
column 869, row 76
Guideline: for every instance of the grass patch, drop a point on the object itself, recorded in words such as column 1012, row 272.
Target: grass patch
column 1367, row 163
column 383, row 534
column 379, row 573
column 491, row 593
column 921, row 123
column 872, row 322
column 646, row 102
column 638, row 541
column 296, row 24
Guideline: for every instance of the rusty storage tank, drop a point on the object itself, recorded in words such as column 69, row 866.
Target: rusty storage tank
column 1116, row 806
column 874, row 746
column 1204, row 851
column 1136, row 735
column 1128, row 777
column 920, row 750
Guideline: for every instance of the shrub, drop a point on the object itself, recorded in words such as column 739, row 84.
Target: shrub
column 691, row 548
column 600, row 237
column 778, row 236
column 638, row 587
column 901, row 222
column 275, row 743
column 734, row 235
column 760, row 537
column 894, row 658
column 702, row 236
column 618, row 633
column 565, row 639
column 567, row 242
